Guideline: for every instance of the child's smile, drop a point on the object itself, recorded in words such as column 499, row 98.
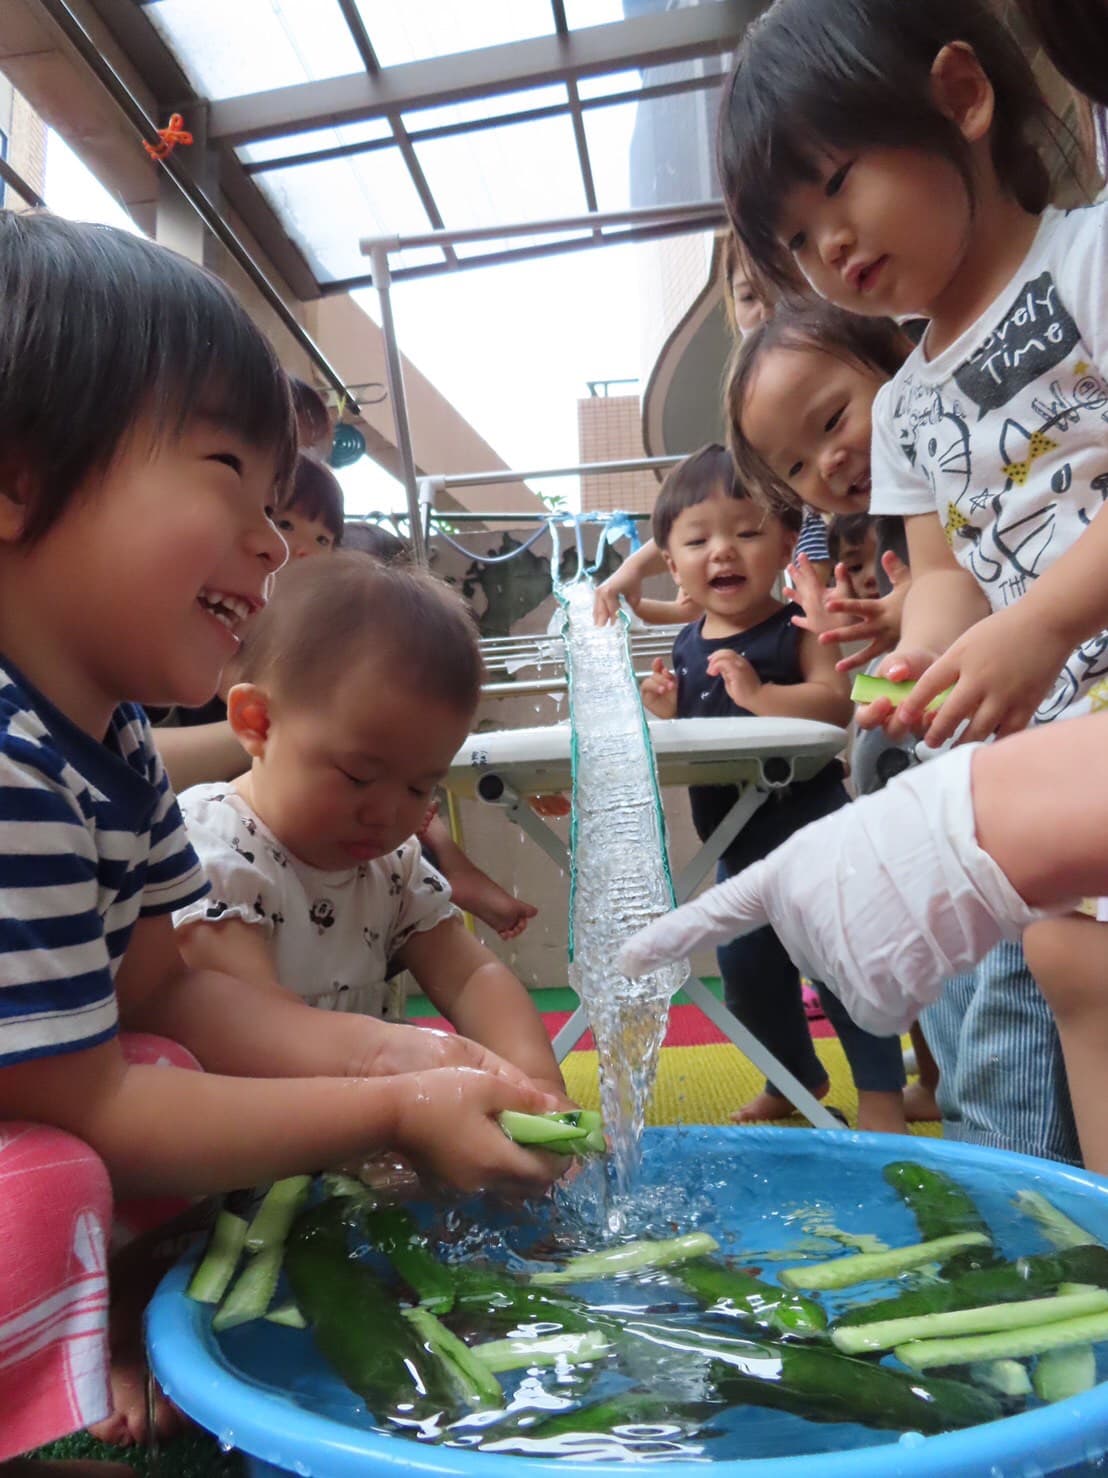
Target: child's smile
column 726, row 554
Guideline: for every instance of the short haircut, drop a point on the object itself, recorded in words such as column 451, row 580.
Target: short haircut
column 695, row 480
column 847, row 531
column 315, row 492
column 876, row 344
column 378, row 543
column 101, row 330
column 313, row 422
column 327, row 615
column 819, row 75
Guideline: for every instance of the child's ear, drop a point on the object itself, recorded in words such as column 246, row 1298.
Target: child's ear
column 962, row 90
column 248, row 715
column 670, row 566
column 14, row 508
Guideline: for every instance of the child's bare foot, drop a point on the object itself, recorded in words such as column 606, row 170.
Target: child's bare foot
column 772, row 1106
column 882, row 1113
column 128, row 1425
column 479, row 895
column 25, row 1467
column 920, row 1105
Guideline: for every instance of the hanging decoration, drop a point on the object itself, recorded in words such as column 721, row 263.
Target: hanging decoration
column 348, row 445
column 173, row 134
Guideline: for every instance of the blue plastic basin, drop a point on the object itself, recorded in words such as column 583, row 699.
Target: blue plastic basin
column 745, row 1180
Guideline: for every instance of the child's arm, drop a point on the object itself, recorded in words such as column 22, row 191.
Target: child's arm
column 677, row 612
column 942, row 602
column 1002, row 668
column 482, row 998
column 627, row 581
column 237, row 1017
column 659, row 691
column 823, row 695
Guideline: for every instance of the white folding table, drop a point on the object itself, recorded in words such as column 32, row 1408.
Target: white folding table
column 757, row 755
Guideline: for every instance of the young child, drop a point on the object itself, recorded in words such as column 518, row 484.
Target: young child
column 911, row 186
column 353, row 691
column 133, row 549
column 744, row 656
column 472, row 888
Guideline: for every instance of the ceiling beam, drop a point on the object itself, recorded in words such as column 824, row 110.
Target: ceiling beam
column 639, row 42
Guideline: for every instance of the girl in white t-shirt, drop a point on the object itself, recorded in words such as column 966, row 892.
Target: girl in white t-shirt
column 887, row 150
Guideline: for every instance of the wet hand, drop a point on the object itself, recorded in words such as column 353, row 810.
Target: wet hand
column 446, row 1124
column 999, row 672
column 903, row 665
column 659, row 691
column 410, row 1049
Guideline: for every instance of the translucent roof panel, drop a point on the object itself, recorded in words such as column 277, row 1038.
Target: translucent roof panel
column 517, row 172
column 487, row 107
column 328, row 206
column 231, row 47
column 583, row 13
column 415, row 30
column 291, row 144
column 655, row 151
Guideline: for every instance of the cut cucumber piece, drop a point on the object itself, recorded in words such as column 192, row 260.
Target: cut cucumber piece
column 1060, row 1374
column 287, row 1314
column 866, row 1267
column 209, row 1282
column 276, row 1214
column 520, row 1353
column 252, row 1292
column 1054, row 1224
column 632, row 1257
column 864, row 1339
column 550, row 1131
column 1012, row 1344
column 474, row 1381
column 867, row 689
column 1005, row 1377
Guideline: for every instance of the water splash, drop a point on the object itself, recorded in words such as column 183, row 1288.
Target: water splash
column 619, row 879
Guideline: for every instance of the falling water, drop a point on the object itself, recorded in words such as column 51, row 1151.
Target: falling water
column 620, row 874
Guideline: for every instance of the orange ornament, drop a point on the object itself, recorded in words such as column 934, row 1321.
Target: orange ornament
column 173, row 134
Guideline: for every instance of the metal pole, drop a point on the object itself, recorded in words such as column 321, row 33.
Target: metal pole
column 395, row 373
column 712, row 212
column 583, row 469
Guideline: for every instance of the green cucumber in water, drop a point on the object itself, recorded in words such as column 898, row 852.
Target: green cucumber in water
column 866, row 1339
column 1056, row 1227
column 217, row 1267
column 868, row 1267
column 1011, row 1344
column 521, row 1352
column 1060, row 1374
column 357, row 1324
column 816, row 1382
column 393, row 1231
column 1028, row 1277
column 631, row 1257
column 867, row 689
column 739, row 1295
column 568, row 1132
column 941, row 1209
column 495, row 1301
column 475, row 1383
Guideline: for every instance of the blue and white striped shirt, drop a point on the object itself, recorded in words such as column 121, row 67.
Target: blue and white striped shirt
column 90, row 840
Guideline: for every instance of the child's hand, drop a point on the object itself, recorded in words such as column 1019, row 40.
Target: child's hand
column 741, row 681
column 625, row 582
column 1000, row 671
column 446, row 1124
column 395, row 1048
column 876, row 621
column 808, row 591
column 659, row 691
column 903, row 665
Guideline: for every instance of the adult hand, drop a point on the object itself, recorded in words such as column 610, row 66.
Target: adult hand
column 883, row 900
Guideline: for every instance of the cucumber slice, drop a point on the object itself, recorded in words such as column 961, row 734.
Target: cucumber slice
column 520, row 1353
column 632, row 1257
column 1012, row 1344
column 278, row 1211
column 550, row 1131
column 209, row 1282
column 866, row 1267
column 1005, row 1377
column 1060, row 1374
column 866, row 689
column 252, row 1292
column 864, row 1339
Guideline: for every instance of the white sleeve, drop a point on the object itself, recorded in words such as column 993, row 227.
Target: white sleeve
column 896, row 486
column 422, row 897
column 1080, row 268
column 243, row 878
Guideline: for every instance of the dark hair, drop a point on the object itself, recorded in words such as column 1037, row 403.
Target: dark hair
column 847, row 531
column 313, row 422
column 315, row 493
column 327, row 614
column 874, row 343
column 378, row 543
column 1074, row 35
column 99, row 329
column 695, row 480
column 813, row 75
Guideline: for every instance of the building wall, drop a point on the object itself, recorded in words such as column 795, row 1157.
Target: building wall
column 609, row 429
column 25, row 150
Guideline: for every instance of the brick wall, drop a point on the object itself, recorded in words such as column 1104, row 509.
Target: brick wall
column 609, row 429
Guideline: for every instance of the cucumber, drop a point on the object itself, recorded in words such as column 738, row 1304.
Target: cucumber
column 252, row 1291
column 866, row 1339
column 867, row 1267
column 575, row 1132
column 866, row 689
column 216, row 1268
column 476, row 1384
column 277, row 1213
column 631, row 1257
column 1028, row 1277
column 1060, row 1374
column 1006, row 1377
column 1056, row 1227
column 357, row 1324
column 816, row 1382
column 483, row 1298
column 393, row 1232
column 739, row 1295
column 525, row 1351
column 1012, row 1344
column 942, row 1209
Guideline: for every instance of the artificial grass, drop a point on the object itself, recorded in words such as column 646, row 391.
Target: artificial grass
column 192, row 1455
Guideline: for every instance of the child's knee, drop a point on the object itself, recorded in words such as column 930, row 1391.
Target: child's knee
column 1067, row 957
